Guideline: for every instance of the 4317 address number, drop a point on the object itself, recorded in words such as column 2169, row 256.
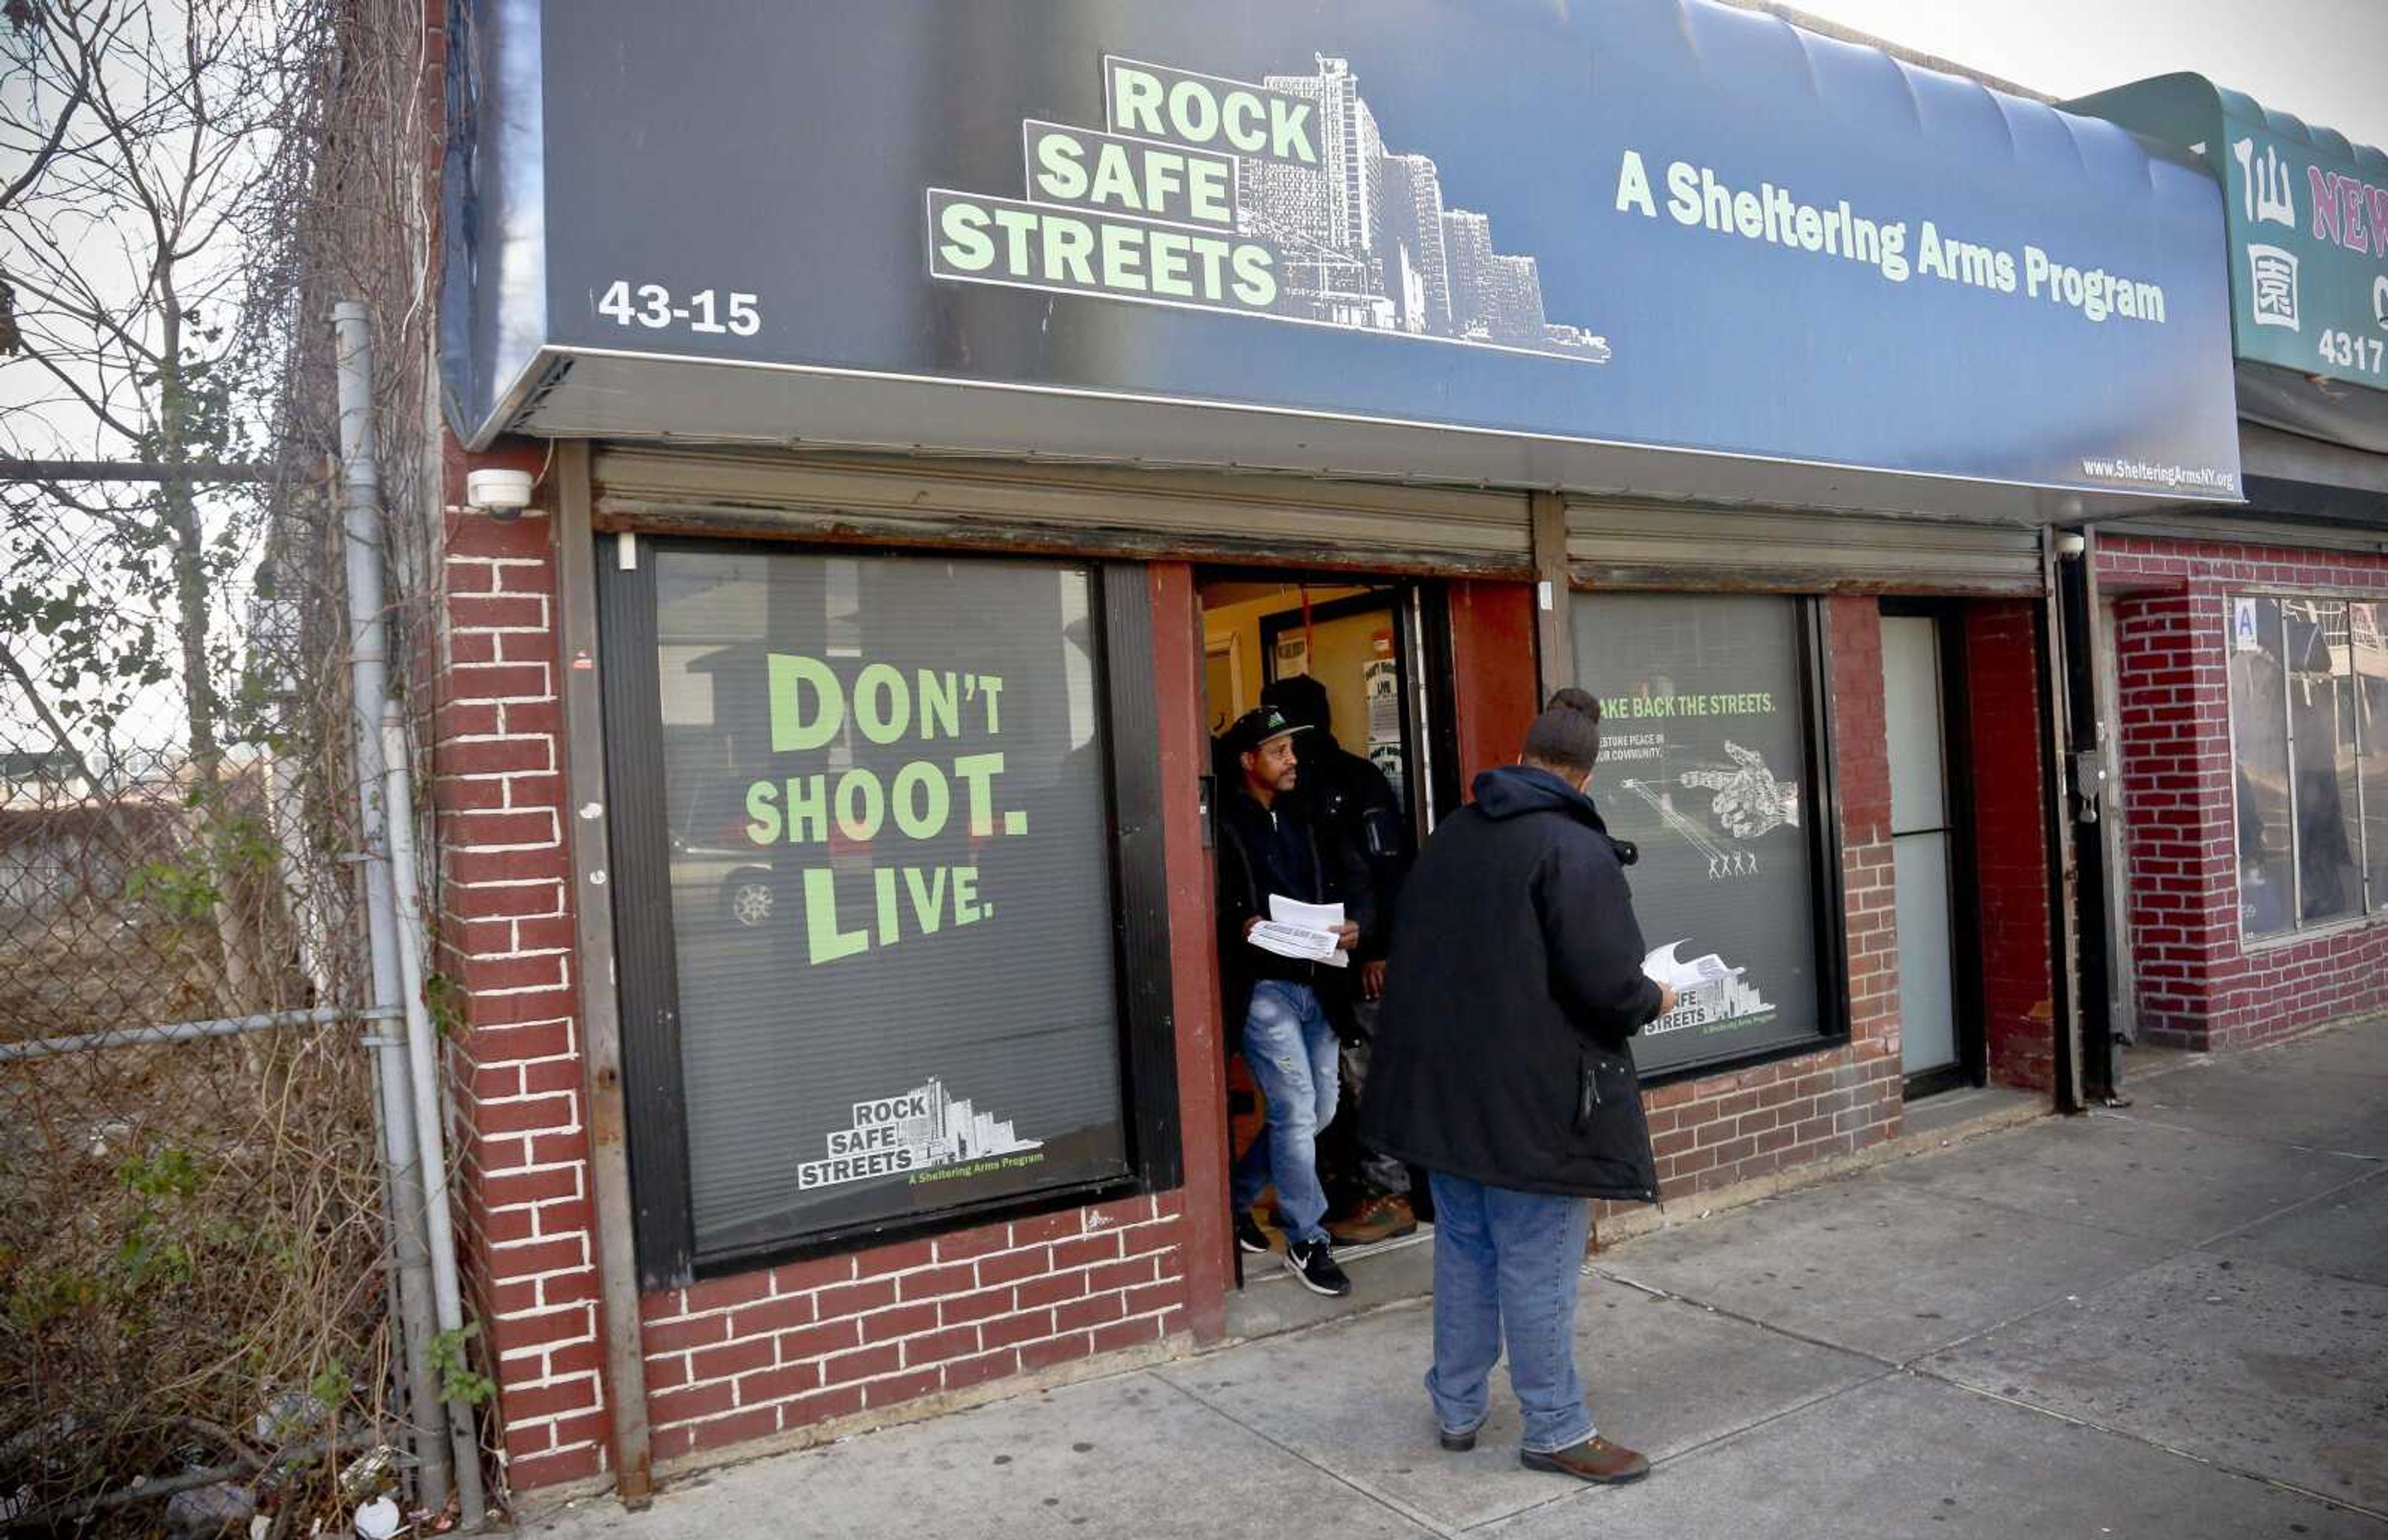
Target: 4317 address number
column 2349, row 351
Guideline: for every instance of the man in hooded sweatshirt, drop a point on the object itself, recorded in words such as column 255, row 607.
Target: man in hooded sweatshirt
column 1503, row 1067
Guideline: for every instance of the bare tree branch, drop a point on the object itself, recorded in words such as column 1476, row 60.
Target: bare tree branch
column 34, row 698
column 50, row 147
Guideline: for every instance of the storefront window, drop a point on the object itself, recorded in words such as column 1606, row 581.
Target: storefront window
column 885, row 796
column 1703, row 765
column 2307, row 691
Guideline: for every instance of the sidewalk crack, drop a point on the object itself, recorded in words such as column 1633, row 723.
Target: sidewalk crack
column 2071, row 1419
column 2111, row 1114
column 1391, row 1504
column 2283, row 1212
column 1656, row 1292
column 1584, row 1493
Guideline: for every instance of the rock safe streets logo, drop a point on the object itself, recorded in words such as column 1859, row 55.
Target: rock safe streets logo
column 925, row 1133
column 1278, row 199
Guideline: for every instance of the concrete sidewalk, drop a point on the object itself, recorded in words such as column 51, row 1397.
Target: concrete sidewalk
column 2170, row 1321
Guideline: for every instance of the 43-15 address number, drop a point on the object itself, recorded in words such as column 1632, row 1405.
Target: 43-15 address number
column 651, row 306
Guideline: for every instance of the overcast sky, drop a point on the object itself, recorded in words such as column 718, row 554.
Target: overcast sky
column 2324, row 60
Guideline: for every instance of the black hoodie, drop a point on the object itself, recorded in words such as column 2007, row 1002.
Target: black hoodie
column 1516, row 982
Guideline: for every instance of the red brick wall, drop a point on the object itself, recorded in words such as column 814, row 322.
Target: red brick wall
column 776, row 1351
column 1724, row 1129
column 2010, row 842
column 506, row 940
column 2199, row 987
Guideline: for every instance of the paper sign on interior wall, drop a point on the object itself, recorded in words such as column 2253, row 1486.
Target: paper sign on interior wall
column 1381, row 678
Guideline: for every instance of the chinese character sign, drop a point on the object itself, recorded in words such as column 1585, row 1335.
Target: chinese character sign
column 2309, row 255
column 2272, row 286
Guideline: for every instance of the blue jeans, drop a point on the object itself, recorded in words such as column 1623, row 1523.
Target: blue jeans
column 1289, row 1047
column 1507, row 1261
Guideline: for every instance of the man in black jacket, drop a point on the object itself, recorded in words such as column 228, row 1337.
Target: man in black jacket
column 1267, row 848
column 1503, row 1067
column 1351, row 801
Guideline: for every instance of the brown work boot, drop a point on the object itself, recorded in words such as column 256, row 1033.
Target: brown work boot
column 1596, row 1460
column 1384, row 1217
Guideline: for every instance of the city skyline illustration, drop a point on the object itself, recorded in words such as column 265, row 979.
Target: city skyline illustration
column 1722, row 994
column 1364, row 239
column 955, row 1130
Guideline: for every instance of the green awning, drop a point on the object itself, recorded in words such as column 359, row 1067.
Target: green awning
column 2308, row 215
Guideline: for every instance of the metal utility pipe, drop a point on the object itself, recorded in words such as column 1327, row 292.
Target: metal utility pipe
column 369, row 682
column 2077, row 577
column 430, row 1119
column 185, row 1031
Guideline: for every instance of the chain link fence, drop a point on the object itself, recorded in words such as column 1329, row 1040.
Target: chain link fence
column 192, row 1244
column 197, row 1299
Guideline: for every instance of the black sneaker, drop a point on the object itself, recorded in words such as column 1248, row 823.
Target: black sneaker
column 1250, row 1236
column 1314, row 1264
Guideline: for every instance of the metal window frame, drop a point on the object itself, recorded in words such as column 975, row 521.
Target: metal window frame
column 648, row 973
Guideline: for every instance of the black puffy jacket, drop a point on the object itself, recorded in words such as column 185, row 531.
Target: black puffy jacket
column 1515, row 984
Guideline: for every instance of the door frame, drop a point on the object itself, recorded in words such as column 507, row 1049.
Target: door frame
column 1422, row 646
column 1972, row 1066
column 1417, row 604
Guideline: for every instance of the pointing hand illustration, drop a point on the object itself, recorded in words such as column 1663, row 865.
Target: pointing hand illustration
column 1750, row 800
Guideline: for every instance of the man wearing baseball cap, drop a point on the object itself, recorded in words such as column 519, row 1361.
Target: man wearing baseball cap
column 1267, row 848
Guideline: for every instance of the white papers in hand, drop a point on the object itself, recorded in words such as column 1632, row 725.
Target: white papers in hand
column 1294, row 941
column 1298, row 930
column 1682, row 976
column 1317, row 916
